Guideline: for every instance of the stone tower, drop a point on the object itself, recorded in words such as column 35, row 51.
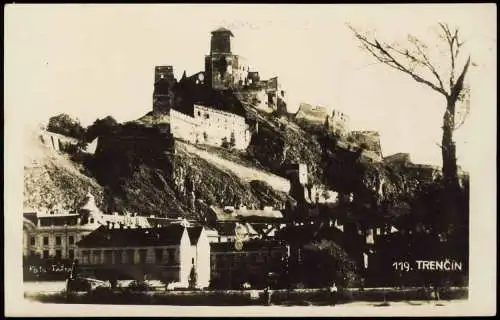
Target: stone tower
column 224, row 69
column 221, row 41
column 163, row 94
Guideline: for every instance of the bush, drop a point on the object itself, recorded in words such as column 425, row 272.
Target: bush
column 65, row 125
column 139, row 286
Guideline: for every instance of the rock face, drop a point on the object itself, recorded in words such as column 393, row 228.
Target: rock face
column 157, row 177
column 51, row 180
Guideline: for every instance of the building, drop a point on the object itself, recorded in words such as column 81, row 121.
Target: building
column 319, row 117
column 297, row 171
column 242, row 213
column 163, row 94
column 210, row 126
column 170, row 254
column 233, row 264
column 54, row 234
column 224, row 69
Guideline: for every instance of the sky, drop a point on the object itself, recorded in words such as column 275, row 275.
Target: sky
column 91, row 61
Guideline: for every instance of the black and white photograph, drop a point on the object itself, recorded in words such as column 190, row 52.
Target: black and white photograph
column 242, row 160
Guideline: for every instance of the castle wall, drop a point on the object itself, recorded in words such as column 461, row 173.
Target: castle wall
column 210, row 126
column 338, row 122
column 184, row 127
column 369, row 141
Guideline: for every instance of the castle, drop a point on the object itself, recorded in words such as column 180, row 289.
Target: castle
column 198, row 113
column 210, row 126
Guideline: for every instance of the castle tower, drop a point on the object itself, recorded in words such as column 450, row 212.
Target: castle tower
column 223, row 69
column 221, row 41
column 163, row 94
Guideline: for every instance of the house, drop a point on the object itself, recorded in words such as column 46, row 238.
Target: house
column 168, row 253
column 233, row 264
column 54, row 234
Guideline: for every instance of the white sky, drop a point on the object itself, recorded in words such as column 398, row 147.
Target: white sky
column 91, row 61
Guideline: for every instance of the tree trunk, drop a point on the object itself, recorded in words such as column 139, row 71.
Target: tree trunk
column 450, row 175
column 448, row 146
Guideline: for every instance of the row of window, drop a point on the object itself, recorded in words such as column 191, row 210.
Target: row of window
column 234, row 259
column 128, row 256
column 45, row 240
column 58, row 254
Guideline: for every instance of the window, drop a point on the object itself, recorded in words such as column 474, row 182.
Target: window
column 58, row 240
column 108, row 256
column 171, row 256
column 118, row 257
column 71, row 240
column 97, row 257
column 58, row 254
column 32, row 241
column 91, row 220
column 158, row 255
column 142, row 255
column 45, row 254
column 85, row 256
column 130, row 256
column 45, row 241
column 71, row 254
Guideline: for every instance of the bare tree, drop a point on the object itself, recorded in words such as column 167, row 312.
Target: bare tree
column 414, row 60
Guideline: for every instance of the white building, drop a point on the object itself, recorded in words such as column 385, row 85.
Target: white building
column 55, row 234
column 210, row 126
column 167, row 253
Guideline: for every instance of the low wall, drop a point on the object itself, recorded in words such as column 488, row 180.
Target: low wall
column 248, row 297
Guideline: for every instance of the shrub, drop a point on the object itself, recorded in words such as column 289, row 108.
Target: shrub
column 65, row 125
column 139, row 286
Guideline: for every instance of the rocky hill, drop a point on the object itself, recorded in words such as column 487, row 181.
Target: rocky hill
column 139, row 167
column 51, row 179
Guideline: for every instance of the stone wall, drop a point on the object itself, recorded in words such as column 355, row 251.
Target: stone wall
column 210, row 126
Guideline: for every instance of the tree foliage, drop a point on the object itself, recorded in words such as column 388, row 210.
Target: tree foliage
column 65, row 125
column 100, row 127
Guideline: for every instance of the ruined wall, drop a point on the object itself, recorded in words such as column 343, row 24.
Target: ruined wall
column 369, row 142
column 338, row 122
column 310, row 116
column 399, row 158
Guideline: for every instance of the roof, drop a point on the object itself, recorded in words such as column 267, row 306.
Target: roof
column 194, row 234
column 229, row 229
column 222, row 30
column 104, row 237
column 252, row 245
column 243, row 214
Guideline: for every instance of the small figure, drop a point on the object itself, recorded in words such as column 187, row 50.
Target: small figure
column 333, row 293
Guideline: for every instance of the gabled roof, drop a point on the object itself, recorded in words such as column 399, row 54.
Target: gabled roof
column 194, row 234
column 104, row 237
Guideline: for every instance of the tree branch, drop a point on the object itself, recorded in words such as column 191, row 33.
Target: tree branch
column 380, row 53
column 455, row 91
column 426, row 62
